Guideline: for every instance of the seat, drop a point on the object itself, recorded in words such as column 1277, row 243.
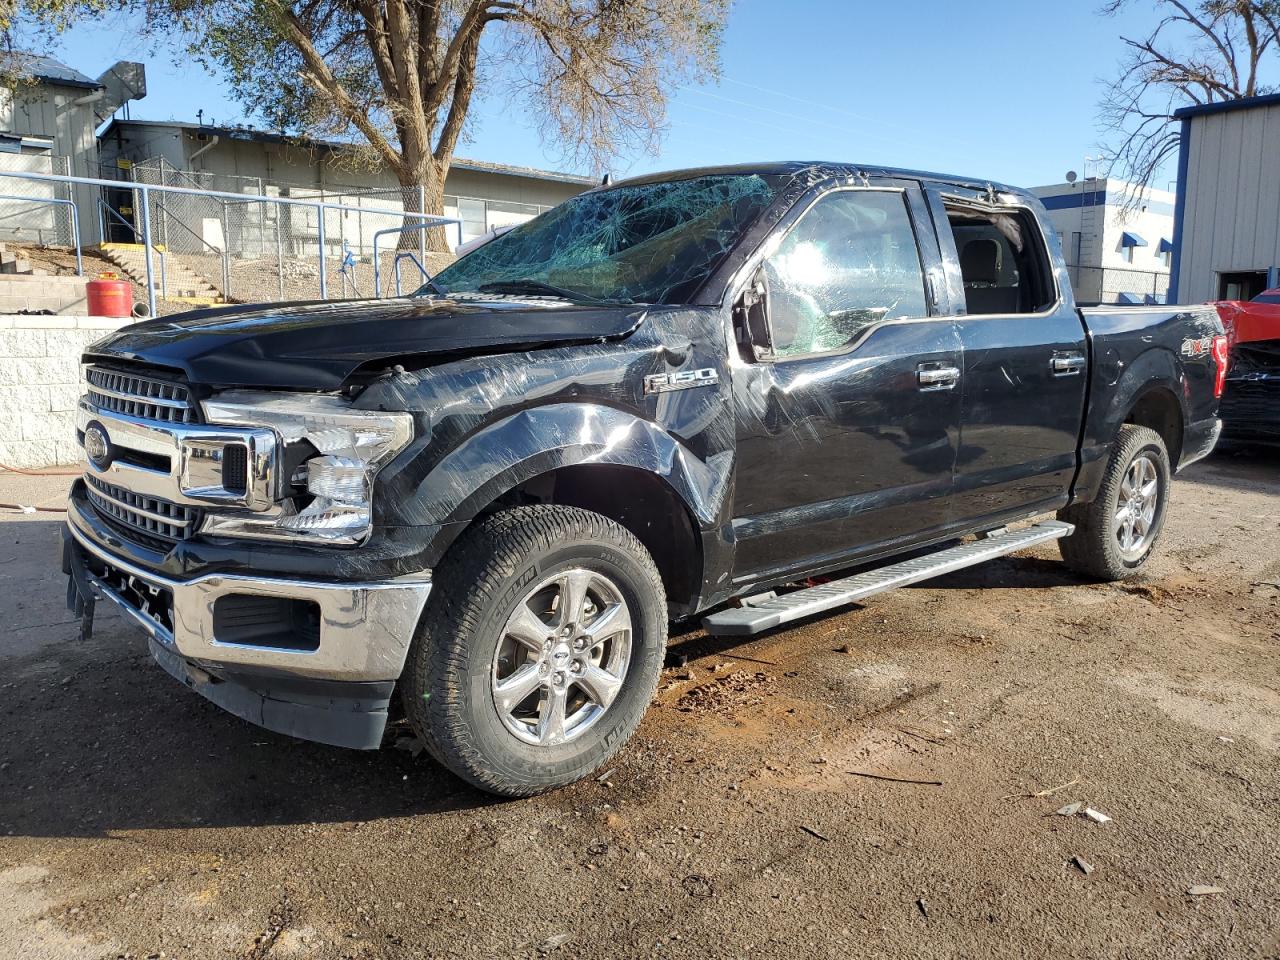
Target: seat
column 981, row 261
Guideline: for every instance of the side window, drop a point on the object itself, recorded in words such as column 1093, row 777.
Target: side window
column 1002, row 260
column 849, row 262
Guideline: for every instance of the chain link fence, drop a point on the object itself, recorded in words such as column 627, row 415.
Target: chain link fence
column 257, row 247
column 193, row 238
column 1112, row 285
column 41, row 213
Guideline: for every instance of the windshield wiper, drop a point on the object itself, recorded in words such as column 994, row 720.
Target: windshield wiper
column 530, row 286
column 433, row 287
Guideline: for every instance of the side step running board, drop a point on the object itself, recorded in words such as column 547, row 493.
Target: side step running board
column 769, row 612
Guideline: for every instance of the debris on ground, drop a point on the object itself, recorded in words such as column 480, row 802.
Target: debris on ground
column 554, row 942
column 1040, row 793
column 727, row 693
column 814, row 833
column 696, row 885
column 1203, row 890
column 1083, row 865
column 881, row 776
column 409, row 745
column 920, row 736
column 923, row 907
column 1097, row 816
column 1071, row 809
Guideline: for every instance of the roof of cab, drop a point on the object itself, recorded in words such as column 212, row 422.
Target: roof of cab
column 796, row 168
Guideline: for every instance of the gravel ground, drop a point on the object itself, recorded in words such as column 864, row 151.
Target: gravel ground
column 138, row 820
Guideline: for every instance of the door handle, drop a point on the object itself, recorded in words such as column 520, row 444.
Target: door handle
column 1067, row 366
column 937, row 377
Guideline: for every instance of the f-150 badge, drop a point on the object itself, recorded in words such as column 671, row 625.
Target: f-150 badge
column 680, row 380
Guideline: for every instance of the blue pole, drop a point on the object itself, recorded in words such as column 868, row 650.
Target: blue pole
column 146, row 247
column 324, row 281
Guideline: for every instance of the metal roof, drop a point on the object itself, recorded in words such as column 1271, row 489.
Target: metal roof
column 1226, row 106
column 250, row 135
column 45, row 68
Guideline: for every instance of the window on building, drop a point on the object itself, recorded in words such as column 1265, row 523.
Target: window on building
column 472, row 214
column 1129, row 242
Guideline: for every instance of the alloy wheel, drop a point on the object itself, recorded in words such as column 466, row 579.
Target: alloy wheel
column 562, row 657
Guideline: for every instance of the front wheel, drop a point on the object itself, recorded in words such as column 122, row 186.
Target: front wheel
column 1117, row 531
column 540, row 649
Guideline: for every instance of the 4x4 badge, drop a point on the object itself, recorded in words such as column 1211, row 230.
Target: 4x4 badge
column 680, row 380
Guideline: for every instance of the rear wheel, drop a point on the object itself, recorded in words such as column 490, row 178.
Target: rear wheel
column 540, row 649
column 1118, row 530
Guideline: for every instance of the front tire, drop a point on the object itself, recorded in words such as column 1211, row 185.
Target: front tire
column 1117, row 531
column 539, row 651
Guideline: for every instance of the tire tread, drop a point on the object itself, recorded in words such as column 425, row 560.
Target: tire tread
column 475, row 570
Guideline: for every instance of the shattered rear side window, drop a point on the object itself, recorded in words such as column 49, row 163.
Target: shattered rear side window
column 650, row 243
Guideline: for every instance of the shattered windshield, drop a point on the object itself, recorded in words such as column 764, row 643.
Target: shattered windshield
column 650, row 243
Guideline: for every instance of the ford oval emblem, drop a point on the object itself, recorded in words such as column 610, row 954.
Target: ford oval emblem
column 96, row 446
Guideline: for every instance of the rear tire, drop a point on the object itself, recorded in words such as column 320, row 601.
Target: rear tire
column 1116, row 532
column 539, row 651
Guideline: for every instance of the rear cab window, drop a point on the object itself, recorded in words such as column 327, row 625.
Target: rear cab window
column 1003, row 260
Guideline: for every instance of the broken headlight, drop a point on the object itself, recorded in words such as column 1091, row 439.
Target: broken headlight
column 329, row 456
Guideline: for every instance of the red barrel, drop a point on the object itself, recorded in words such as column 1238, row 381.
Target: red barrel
column 109, row 296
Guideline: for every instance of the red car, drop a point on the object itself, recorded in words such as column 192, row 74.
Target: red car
column 1250, row 407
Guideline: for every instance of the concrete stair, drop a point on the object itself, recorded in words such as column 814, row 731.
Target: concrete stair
column 181, row 283
column 34, row 294
column 12, row 263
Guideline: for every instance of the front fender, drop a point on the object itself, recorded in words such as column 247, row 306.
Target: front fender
column 535, row 441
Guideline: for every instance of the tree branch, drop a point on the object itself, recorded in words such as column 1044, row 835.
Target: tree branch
column 319, row 74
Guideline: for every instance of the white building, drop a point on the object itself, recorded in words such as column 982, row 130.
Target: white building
column 481, row 194
column 47, row 125
column 1114, row 255
column 1228, row 232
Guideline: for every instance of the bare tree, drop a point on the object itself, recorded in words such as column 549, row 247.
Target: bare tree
column 1197, row 53
column 399, row 77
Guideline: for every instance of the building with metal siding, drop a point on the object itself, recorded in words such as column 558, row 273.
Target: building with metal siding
column 47, row 124
column 1227, row 234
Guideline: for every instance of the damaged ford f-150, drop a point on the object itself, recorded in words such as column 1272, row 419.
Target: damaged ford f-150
column 750, row 394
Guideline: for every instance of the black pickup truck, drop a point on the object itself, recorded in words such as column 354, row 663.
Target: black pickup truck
column 750, row 394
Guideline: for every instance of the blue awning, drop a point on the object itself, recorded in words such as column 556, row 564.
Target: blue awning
column 1134, row 299
column 1131, row 240
column 1166, row 246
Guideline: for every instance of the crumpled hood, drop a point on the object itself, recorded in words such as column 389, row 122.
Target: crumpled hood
column 317, row 345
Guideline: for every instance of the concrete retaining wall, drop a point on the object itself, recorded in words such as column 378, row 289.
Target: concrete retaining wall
column 40, row 384
column 65, row 295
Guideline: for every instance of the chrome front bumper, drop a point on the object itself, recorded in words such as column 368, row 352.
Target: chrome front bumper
column 365, row 628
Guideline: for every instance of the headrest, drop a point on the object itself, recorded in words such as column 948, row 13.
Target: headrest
column 980, row 261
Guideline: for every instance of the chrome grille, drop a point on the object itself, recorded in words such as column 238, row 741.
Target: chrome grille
column 140, row 396
column 155, row 518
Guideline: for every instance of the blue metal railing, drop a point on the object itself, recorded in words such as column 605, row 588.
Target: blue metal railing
column 377, row 261
column 75, row 221
column 145, row 234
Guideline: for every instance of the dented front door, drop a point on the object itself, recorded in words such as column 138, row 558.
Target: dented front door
column 848, row 418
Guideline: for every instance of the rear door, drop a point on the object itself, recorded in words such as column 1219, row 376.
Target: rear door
column 1025, row 358
column 848, row 400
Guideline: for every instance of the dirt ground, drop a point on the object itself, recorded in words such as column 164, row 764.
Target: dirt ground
column 138, row 820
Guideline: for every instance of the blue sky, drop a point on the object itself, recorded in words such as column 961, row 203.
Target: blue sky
column 1006, row 89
